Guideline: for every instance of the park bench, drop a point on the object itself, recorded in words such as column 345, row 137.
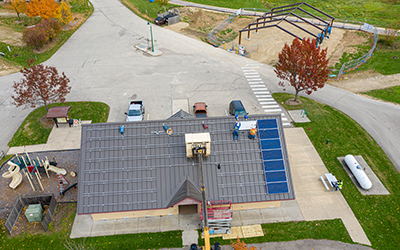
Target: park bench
column 331, row 179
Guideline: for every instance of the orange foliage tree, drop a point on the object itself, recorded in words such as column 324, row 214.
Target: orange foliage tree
column 303, row 65
column 19, row 6
column 64, row 13
column 42, row 8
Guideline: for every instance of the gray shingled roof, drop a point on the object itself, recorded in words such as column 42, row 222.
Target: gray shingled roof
column 181, row 114
column 146, row 169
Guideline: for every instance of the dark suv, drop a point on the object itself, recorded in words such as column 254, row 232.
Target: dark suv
column 236, row 108
column 160, row 20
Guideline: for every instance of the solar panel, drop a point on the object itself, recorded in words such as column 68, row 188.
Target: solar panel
column 270, row 144
column 277, row 188
column 271, row 151
column 274, row 165
column 268, row 133
column 275, row 176
column 268, row 123
column 274, row 154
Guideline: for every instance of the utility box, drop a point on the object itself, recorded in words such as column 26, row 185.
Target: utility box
column 34, row 213
column 197, row 140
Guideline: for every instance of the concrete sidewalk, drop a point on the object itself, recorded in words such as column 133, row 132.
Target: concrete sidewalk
column 61, row 138
column 314, row 202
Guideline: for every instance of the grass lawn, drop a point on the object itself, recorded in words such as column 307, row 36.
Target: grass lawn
column 146, row 9
column 390, row 94
column 384, row 60
column 59, row 234
column 379, row 215
column 33, row 131
column 19, row 55
column 376, row 12
column 288, row 231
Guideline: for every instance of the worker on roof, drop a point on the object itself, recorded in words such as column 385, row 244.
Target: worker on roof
column 236, row 130
column 252, row 133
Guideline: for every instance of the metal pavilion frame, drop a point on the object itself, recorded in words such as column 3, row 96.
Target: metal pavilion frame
column 282, row 13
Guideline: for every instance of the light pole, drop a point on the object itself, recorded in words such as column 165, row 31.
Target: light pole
column 151, row 34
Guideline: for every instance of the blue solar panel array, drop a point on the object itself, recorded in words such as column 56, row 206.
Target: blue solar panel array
column 271, row 149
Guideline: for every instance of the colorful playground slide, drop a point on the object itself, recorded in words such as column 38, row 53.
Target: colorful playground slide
column 56, row 169
column 13, row 171
column 47, row 167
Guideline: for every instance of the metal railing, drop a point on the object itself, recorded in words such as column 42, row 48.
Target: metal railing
column 357, row 62
column 23, row 201
column 212, row 35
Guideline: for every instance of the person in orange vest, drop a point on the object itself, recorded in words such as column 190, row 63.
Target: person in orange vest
column 252, row 133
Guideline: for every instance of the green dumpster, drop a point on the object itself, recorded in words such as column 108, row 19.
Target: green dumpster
column 34, row 213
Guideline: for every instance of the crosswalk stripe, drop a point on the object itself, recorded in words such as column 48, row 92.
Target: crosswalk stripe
column 262, row 92
column 265, row 99
column 251, row 83
column 253, row 79
column 256, row 89
column 263, row 96
column 272, row 110
column 252, row 76
column 251, row 73
column 270, row 106
column 284, row 119
column 263, row 103
column 257, row 86
column 286, row 124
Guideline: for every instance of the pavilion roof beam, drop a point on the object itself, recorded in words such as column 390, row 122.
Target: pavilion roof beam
column 316, row 17
column 305, row 20
column 301, row 39
column 318, row 10
column 302, row 29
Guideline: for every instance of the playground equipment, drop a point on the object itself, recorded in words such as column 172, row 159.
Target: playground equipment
column 48, row 167
column 287, row 13
column 30, row 169
column 61, row 182
column 13, row 172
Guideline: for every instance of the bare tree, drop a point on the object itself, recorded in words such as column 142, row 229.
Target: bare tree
column 41, row 85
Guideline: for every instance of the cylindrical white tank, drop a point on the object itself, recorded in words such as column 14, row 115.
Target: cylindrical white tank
column 358, row 172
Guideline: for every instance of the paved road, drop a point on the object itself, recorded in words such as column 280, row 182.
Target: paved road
column 103, row 65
